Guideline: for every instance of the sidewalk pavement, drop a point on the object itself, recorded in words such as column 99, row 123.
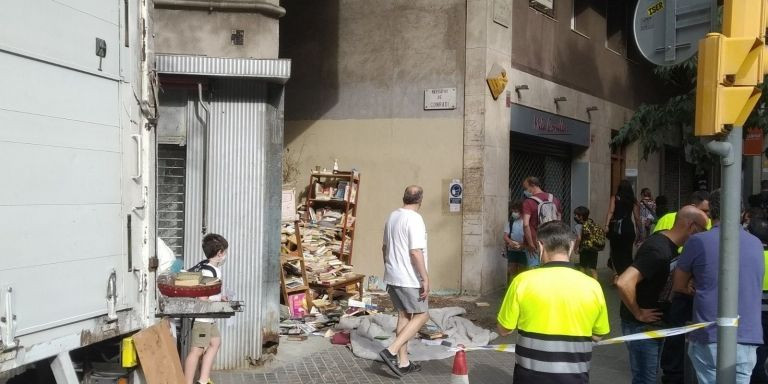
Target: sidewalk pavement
column 316, row 361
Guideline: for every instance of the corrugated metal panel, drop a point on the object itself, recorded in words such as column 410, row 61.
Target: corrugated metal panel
column 277, row 70
column 244, row 182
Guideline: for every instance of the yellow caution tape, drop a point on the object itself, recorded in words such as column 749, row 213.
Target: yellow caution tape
column 654, row 334
column 494, row 347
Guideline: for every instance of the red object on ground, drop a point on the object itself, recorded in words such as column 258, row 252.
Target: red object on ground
column 460, row 363
column 341, row 338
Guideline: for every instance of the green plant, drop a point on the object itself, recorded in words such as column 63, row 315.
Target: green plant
column 657, row 124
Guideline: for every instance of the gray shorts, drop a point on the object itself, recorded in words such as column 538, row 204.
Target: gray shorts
column 407, row 299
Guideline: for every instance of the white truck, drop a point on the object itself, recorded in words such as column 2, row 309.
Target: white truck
column 76, row 178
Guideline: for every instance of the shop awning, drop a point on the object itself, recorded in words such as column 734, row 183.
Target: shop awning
column 272, row 70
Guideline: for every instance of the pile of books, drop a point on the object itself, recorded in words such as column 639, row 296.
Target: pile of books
column 331, row 218
column 321, row 249
column 191, row 279
column 294, row 282
column 335, row 190
column 431, row 332
column 321, row 246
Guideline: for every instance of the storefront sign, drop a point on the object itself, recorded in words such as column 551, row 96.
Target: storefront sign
column 753, row 143
column 549, row 126
column 455, row 194
column 440, row 98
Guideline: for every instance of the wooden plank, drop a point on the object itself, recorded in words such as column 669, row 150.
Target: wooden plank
column 157, row 354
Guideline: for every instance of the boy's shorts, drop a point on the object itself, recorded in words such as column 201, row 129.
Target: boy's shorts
column 203, row 332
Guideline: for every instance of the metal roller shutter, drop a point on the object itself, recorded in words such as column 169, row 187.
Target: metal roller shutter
column 551, row 163
column 171, row 170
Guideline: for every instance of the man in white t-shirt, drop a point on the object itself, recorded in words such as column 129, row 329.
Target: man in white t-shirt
column 405, row 264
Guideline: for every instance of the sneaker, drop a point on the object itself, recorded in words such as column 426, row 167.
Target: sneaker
column 411, row 368
column 391, row 361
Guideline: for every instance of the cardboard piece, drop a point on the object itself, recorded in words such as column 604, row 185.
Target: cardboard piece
column 157, row 354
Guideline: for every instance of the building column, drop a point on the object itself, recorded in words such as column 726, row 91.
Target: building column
column 486, row 147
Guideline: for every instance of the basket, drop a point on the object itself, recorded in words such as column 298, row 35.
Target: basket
column 193, row 291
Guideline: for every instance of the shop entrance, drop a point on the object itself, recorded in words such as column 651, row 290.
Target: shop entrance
column 550, row 163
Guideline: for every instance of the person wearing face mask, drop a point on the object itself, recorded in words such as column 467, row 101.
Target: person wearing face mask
column 642, row 288
column 206, row 339
column 558, row 313
column 514, row 241
column 750, row 214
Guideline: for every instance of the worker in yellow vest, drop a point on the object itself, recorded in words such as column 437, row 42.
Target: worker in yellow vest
column 699, row 199
column 758, row 226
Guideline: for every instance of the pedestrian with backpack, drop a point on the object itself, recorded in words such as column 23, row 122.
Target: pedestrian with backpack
column 590, row 240
column 623, row 225
column 539, row 207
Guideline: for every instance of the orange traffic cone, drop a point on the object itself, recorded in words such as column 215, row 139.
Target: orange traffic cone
column 460, row 374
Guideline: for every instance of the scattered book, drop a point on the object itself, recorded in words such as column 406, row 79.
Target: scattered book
column 431, row 332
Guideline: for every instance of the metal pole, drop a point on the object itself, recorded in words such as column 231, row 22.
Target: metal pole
column 728, row 278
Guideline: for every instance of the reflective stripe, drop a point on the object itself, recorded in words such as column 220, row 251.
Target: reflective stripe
column 552, row 367
column 553, row 345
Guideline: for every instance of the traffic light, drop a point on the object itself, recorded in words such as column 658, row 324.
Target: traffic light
column 728, row 71
column 730, row 66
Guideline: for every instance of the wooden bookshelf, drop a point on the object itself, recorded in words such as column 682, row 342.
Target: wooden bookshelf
column 295, row 257
column 338, row 191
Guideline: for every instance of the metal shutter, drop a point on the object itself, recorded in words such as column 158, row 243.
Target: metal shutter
column 171, row 170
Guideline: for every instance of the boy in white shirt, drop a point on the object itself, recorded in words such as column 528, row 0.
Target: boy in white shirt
column 206, row 339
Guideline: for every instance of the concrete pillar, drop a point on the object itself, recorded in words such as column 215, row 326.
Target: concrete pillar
column 486, row 148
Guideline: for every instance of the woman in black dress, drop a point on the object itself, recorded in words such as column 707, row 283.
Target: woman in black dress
column 622, row 226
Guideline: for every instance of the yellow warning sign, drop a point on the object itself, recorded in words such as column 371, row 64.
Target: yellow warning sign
column 655, row 8
column 497, row 80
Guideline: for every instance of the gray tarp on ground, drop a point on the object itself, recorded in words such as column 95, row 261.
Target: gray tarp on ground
column 459, row 330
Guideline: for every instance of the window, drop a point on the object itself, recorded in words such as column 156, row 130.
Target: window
column 580, row 19
column 546, row 7
column 616, row 32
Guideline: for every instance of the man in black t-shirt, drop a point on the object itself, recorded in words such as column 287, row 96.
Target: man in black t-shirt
column 642, row 284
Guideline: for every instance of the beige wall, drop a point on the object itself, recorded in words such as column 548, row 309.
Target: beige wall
column 198, row 32
column 390, row 154
column 359, row 72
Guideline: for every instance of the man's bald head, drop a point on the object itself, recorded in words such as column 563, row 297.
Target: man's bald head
column 689, row 216
column 413, row 195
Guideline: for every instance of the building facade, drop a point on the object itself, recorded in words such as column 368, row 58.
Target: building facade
column 220, row 135
column 357, row 94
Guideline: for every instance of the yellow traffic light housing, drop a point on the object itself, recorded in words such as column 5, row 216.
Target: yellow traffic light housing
column 728, row 71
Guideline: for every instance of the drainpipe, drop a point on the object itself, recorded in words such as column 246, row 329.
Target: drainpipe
column 263, row 7
column 205, row 156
